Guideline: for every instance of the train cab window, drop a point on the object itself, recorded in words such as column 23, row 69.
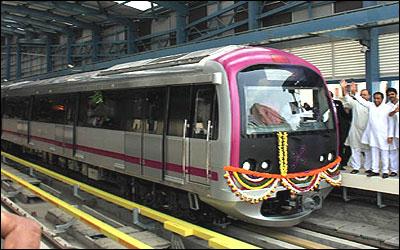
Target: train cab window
column 101, row 109
column 17, row 108
column 51, row 109
column 179, row 109
column 154, row 111
column 135, row 103
column 205, row 107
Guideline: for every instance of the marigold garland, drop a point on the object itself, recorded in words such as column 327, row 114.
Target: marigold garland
column 328, row 172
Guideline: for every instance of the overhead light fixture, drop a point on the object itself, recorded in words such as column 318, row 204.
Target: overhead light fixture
column 5, row 80
column 70, row 66
column 20, row 29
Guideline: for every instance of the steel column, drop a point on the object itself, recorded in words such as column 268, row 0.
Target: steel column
column 49, row 63
column 95, row 45
column 181, row 34
column 372, row 61
column 18, row 61
column 254, row 11
column 8, row 58
column 70, row 41
column 131, row 38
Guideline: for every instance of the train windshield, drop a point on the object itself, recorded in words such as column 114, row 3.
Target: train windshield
column 283, row 98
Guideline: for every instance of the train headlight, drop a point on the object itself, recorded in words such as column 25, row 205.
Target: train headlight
column 330, row 156
column 264, row 165
column 321, row 158
column 246, row 165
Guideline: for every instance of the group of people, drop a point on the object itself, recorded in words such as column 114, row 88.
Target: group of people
column 374, row 130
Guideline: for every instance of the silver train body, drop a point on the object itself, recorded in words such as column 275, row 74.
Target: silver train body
column 190, row 155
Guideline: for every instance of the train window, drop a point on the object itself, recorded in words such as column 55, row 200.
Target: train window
column 50, row 109
column 179, row 109
column 102, row 109
column 283, row 98
column 205, row 102
column 134, row 102
column 154, row 112
column 17, row 108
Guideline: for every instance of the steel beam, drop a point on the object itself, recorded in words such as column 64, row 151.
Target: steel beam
column 372, row 61
column 174, row 5
column 88, row 11
column 355, row 34
column 13, row 31
column 221, row 30
column 387, row 13
column 47, row 15
column 282, row 8
column 27, row 20
column 215, row 14
column 368, row 3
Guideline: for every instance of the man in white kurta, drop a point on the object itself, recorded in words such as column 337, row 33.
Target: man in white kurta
column 358, row 124
column 391, row 94
column 376, row 134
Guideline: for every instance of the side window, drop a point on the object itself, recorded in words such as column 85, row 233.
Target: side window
column 179, row 109
column 100, row 109
column 50, row 109
column 205, row 112
column 154, row 112
column 134, row 102
column 17, row 108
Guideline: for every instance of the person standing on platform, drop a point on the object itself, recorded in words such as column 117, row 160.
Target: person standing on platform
column 376, row 134
column 391, row 94
column 344, row 126
column 357, row 128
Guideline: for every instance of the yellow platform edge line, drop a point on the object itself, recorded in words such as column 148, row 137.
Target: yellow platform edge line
column 198, row 231
column 108, row 230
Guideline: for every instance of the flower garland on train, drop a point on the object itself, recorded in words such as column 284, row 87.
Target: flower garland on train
column 262, row 186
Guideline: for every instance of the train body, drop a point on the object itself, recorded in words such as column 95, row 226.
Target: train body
column 250, row 131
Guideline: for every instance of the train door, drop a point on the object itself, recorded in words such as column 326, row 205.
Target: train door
column 64, row 113
column 201, row 134
column 154, row 116
column 177, row 141
column 134, row 135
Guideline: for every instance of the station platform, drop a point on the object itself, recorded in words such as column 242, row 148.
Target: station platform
column 375, row 183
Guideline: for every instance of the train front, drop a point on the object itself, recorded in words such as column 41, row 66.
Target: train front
column 284, row 158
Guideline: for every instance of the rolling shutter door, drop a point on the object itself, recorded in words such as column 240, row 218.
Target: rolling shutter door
column 349, row 61
column 389, row 54
column 320, row 55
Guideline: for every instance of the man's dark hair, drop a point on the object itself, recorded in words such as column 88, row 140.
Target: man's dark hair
column 364, row 90
column 379, row 93
column 391, row 90
column 351, row 80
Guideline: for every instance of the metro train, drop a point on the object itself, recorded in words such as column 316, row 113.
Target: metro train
column 247, row 131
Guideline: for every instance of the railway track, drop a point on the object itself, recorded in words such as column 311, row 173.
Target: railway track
column 178, row 233
column 143, row 217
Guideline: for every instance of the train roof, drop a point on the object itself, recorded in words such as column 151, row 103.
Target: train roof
column 124, row 75
column 184, row 68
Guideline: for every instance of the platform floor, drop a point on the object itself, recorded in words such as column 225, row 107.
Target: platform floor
column 376, row 183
